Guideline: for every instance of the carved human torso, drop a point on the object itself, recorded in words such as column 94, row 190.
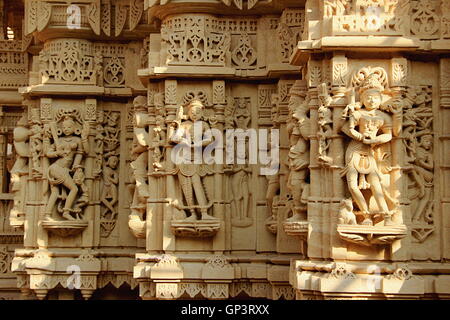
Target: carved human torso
column 69, row 145
column 360, row 155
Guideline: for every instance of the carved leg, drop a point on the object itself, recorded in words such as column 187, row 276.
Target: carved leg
column 51, row 200
column 186, row 187
column 73, row 191
column 140, row 172
column 296, row 188
column 377, row 193
column 422, row 205
column 352, row 181
column 272, row 191
column 201, row 196
column 236, row 208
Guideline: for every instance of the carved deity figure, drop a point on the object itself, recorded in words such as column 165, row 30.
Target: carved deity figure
column 36, row 147
column 109, row 195
column 21, row 136
column 68, row 150
column 190, row 134
column 409, row 134
column 99, row 143
column 325, row 122
column 273, row 189
column 158, row 142
column 111, row 126
column 140, row 150
column 370, row 129
column 298, row 156
column 423, row 173
column 273, row 181
column 346, row 215
column 241, row 172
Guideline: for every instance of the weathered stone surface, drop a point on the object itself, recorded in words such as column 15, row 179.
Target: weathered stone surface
column 186, row 150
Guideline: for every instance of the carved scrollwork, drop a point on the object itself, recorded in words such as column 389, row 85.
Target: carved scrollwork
column 68, row 61
column 244, row 55
column 114, row 72
column 190, row 42
column 5, row 260
column 425, row 23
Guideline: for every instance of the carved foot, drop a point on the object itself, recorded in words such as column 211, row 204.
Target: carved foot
column 294, row 218
column 367, row 222
column 192, row 217
column 66, row 215
column 388, row 220
column 206, row 216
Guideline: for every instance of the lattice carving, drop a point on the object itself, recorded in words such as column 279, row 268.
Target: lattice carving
column 190, row 42
column 68, row 61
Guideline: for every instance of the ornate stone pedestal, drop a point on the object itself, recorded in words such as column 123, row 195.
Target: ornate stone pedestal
column 64, row 228
column 368, row 235
column 195, row 229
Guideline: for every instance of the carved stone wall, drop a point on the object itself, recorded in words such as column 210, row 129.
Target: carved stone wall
column 224, row 149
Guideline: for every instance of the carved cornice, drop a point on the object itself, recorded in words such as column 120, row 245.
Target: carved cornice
column 164, row 8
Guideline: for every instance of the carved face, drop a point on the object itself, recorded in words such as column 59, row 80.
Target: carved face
column 427, row 142
column 371, row 99
column 112, row 162
column 195, row 113
column 112, row 120
column 68, row 127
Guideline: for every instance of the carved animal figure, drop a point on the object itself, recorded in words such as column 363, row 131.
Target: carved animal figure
column 346, row 215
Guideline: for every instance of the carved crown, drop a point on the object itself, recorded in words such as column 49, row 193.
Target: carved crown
column 371, row 82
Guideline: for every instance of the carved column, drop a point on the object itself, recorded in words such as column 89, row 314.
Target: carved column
column 316, row 211
column 339, row 81
column 444, row 144
column 222, row 241
column 399, row 76
column 170, row 105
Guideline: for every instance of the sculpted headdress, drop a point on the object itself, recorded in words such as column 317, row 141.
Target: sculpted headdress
column 195, row 103
column 371, row 82
column 140, row 103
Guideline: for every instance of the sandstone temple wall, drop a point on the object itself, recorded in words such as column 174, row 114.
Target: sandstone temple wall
column 341, row 189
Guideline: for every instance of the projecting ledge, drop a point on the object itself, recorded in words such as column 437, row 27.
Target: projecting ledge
column 353, row 43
